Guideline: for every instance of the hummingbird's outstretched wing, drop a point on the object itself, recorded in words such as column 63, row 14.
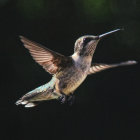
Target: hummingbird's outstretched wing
column 100, row 67
column 51, row 61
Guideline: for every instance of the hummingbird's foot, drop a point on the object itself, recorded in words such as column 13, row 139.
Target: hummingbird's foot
column 67, row 99
column 71, row 99
column 63, row 98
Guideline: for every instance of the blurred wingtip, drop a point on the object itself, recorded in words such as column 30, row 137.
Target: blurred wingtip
column 20, row 36
column 130, row 62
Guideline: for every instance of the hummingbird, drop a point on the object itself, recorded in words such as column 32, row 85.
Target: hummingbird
column 68, row 72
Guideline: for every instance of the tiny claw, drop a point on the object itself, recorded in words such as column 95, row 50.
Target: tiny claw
column 71, row 100
column 62, row 99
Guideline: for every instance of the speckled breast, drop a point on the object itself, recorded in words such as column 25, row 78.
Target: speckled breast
column 70, row 80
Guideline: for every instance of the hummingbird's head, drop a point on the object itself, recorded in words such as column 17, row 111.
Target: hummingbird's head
column 86, row 45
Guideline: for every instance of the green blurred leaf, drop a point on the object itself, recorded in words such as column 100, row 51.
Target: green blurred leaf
column 31, row 8
column 97, row 9
column 3, row 2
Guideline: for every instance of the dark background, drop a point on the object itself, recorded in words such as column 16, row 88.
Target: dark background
column 107, row 104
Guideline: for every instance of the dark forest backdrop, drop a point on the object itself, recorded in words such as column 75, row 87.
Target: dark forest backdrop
column 107, row 104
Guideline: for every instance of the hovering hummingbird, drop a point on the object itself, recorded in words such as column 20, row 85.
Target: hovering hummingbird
column 68, row 71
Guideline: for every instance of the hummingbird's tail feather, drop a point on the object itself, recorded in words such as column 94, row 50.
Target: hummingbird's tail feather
column 30, row 101
column 39, row 94
column 20, row 101
column 25, row 103
column 30, row 105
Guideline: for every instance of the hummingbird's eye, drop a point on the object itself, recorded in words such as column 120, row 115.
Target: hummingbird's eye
column 87, row 40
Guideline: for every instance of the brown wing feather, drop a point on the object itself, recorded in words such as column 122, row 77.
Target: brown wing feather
column 100, row 67
column 51, row 61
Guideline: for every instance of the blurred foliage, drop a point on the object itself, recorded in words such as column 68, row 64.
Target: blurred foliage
column 94, row 9
column 3, row 2
column 79, row 17
column 31, row 8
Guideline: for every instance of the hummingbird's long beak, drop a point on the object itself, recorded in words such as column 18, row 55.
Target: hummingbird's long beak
column 108, row 33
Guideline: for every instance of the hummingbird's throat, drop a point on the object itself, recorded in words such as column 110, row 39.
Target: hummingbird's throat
column 80, row 59
column 75, row 56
